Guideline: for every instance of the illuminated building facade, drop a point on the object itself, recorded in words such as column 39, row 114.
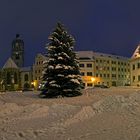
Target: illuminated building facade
column 106, row 69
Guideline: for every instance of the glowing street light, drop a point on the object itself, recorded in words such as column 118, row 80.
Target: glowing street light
column 93, row 80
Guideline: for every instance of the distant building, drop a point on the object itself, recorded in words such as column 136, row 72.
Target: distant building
column 26, row 77
column 37, row 69
column 96, row 69
column 135, row 67
column 104, row 69
column 13, row 76
column 10, row 76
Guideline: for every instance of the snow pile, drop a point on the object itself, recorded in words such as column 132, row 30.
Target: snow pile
column 101, row 115
column 117, row 103
column 84, row 114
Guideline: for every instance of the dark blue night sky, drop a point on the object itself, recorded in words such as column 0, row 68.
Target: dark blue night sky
column 109, row 26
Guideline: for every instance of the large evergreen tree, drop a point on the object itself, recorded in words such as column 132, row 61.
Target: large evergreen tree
column 61, row 70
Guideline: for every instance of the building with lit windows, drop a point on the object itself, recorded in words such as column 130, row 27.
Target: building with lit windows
column 104, row 69
column 37, row 69
column 135, row 67
column 96, row 69
column 13, row 74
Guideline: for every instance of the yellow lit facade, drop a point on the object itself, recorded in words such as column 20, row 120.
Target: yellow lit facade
column 135, row 67
column 106, row 69
column 96, row 69
column 37, row 69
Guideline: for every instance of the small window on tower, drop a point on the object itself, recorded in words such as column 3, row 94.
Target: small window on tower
column 17, row 56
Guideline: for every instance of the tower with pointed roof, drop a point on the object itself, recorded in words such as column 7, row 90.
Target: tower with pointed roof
column 17, row 53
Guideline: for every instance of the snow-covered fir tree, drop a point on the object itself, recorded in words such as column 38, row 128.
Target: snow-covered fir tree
column 61, row 69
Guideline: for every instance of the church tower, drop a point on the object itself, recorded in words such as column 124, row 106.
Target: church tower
column 17, row 53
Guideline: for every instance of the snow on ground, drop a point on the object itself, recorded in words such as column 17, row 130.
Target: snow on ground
column 99, row 114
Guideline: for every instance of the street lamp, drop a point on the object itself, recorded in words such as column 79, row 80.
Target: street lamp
column 93, row 80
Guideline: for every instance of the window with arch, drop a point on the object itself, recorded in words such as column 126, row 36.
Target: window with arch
column 26, row 77
column 8, row 79
column 15, row 78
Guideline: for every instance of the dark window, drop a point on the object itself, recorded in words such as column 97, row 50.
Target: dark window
column 82, row 74
column 138, row 77
column 8, row 78
column 89, row 65
column 81, row 65
column 89, row 73
column 84, row 84
column 138, row 65
column 17, row 56
column 26, row 77
column 113, row 75
column 133, row 67
column 89, row 84
column 113, row 69
column 15, row 78
column 133, row 78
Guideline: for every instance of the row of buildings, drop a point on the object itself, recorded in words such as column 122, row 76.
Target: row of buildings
column 96, row 69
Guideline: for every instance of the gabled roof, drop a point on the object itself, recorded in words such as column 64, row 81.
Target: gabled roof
column 10, row 64
column 136, row 53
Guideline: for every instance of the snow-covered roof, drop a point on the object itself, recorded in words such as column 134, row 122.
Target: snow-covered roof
column 10, row 64
column 85, row 54
column 136, row 53
column 92, row 55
